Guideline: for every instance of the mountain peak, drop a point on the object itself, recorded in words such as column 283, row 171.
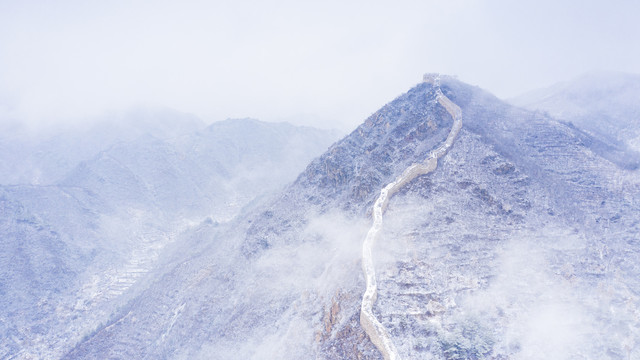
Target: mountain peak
column 400, row 133
column 435, row 78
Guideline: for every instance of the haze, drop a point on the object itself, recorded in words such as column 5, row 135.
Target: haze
column 328, row 64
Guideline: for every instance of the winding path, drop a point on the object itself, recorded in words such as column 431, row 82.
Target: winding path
column 374, row 329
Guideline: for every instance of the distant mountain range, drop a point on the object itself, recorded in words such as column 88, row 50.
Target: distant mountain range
column 522, row 243
column 72, row 249
column 43, row 155
column 606, row 105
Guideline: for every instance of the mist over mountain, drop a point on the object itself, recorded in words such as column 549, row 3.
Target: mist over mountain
column 43, row 155
column 604, row 104
column 74, row 250
column 521, row 243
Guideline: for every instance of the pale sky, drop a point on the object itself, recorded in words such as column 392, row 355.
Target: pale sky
column 325, row 63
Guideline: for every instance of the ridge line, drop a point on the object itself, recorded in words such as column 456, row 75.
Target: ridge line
column 372, row 327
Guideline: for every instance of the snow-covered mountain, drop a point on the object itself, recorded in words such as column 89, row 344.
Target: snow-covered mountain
column 43, row 155
column 605, row 104
column 521, row 243
column 74, row 251
column 216, row 170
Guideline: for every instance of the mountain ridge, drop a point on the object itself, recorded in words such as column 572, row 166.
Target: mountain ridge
column 77, row 249
column 602, row 104
column 284, row 280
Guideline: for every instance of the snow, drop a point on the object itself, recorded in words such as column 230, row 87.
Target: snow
column 376, row 331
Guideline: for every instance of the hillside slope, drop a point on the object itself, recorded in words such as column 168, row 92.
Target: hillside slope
column 604, row 104
column 76, row 250
column 522, row 243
